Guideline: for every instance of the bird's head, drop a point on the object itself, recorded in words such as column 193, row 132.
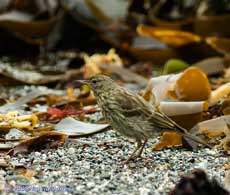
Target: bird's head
column 100, row 84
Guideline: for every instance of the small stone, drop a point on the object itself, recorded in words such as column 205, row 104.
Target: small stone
column 216, row 160
column 202, row 165
column 90, row 184
column 2, row 173
column 7, row 157
column 144, row 190
column 105, row 175
column 191, row 160
column 12, row 183
column 23, row 161
column 44, row 156
column 132, row 165
column 60, row 152
column 3, row 163
column 56, row 173
column 71, row 150
column 211, row 152
column 37, row 153
column 2, row 187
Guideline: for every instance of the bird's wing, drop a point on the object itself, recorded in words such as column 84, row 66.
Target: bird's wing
column 163, row 121
column 131, row 105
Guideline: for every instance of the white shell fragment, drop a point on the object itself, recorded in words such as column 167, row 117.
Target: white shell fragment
column 73, row 127
column 182, row 108
column 159, row 86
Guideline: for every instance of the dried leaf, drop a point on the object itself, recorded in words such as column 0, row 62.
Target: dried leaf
column 14, row 120
column 45, row 140
column 225, row 143
column 174, row 38
column 222, row 45
column 57, row 113
column 168, row 140
column 73, row 127
column 92, row 63
column 225, row 107
column 28, row 173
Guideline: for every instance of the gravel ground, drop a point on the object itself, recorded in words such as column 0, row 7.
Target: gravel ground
column 92, row 165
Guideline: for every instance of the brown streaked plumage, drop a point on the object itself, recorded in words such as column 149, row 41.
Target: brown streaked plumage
column 130, row 115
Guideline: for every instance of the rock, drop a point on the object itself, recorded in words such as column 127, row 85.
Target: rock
column 37, row 153
column 60, row 152
column 202, row 165
column 90, row 184
column 71, row 150
column 3, row 163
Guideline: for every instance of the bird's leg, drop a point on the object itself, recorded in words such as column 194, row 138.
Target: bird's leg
column 139, row 144
column 142, row 148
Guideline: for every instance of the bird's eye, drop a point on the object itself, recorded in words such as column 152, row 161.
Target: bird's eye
column 94, row 81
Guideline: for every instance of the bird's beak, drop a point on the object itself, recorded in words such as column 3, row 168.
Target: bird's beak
column 82, row 81
column 77, row 82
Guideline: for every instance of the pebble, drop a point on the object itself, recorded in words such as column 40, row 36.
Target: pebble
column 2, row 172
column 23, row 161
column 71, row 150
column 7, row 157
column 211, row 152
column 12, row 183
column 202, row 165
column 44, row 156
column 90, row 184
column 3, row 163
column 60, row 152
column 37, row 154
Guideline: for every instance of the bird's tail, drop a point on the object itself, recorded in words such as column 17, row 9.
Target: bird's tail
column 191, row 139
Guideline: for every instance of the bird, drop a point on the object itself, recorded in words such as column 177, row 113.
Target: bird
column 131, row 115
